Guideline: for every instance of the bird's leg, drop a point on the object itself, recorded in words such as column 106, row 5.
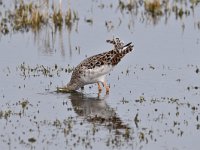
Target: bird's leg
column 99, row 87
column 107, row 87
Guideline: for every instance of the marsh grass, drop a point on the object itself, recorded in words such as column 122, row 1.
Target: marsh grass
column 5, row 114
column 32, row 15
column 4, row 27
column 68, row 18
column 27, row 16
column 154, row 7
column 71, row 18
column 58, row 18
column 37, row 14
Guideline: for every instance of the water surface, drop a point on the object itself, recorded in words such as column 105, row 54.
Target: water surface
column 154, row 91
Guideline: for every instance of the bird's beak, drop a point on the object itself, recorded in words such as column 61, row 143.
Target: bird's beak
column 63, row 90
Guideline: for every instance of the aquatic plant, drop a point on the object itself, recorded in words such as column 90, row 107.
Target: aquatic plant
column 28, row 71
column 57, row 18
column 130, row 5
column 153, row 7
column 4, row 27
column 70, row 18
column 5, row 114
column 33, row 15
column 27, row 16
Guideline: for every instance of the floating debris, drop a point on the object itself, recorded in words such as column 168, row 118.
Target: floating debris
column 89, row 20
column 32, row 140
column 197, row 70
column 136, row 120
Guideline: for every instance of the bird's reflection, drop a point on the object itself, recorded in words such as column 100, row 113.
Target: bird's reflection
column 96, row 110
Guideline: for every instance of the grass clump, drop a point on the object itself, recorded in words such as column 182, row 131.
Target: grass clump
column 154, row 7
column 4, row 27
column 5, row 114
column 58, row 18
column 28, row 16
column 130, row 5
column 70, row 18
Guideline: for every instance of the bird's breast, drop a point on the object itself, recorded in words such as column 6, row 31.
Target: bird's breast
column 89, row 76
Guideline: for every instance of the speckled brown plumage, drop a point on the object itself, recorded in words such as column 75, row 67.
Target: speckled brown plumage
column 91, row 70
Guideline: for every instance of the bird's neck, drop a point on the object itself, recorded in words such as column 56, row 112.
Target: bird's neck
column 73, row 86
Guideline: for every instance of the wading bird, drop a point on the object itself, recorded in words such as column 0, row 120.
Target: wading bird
column 95, row 68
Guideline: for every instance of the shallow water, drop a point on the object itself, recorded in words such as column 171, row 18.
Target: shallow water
column 154, row 91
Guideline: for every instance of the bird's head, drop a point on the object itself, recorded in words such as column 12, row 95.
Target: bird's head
column 70, row 87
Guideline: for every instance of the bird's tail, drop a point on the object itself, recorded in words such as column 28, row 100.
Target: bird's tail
column 126, row 49
column 120, row 49
column 118, row 44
